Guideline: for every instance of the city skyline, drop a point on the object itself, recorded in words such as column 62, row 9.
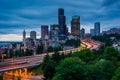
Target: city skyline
column 30, row 15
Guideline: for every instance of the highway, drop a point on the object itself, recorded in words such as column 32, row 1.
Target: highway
column 21, row 63
column 90, row 44
column 28, row 61
column 32, row 61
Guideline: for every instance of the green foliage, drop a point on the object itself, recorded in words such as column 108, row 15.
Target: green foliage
column 49, row 64
column 111, row 53
column 104, row 38
column 56, row 49
column 117, row 36
column 11, row 53
column 18, row 78
column 103, row 70
column 49, row 69
column 85, row 55
column 117, row 74
column 55, row 78
column 1, row 77
column 83, row 65
column 101, row 49
column 39, row 49
column 73, row 42
column 19, row 53
column 28, row 52
column 37, row 70
column 50, row 49
column 57, row 57
column 71, row 69
column 45, row 61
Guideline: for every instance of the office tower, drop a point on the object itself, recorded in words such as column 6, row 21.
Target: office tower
column 24, row 35
column 82, row 33
column 24, row 39
column 62, row 21
column 54, row 32
column 75, row 26
column 92, row 32
column 44, row 31
column 112, row 31
column 33, row 35
column 97, row 28
column 67, row 31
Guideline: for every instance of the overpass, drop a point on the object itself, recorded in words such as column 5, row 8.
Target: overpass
column 33, row 61
column 90, row 44
column 28, row 61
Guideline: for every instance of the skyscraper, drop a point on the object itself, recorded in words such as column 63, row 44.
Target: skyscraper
column 33, row 35
column 82, row 33
column 92, row 32
column 44, row 31
column 97, row 28
column 24, row 39
column 75, row 26
column 62, row 21
column 24, row 35
column 54, row 32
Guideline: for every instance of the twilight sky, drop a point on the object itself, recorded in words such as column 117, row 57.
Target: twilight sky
column 17, row 15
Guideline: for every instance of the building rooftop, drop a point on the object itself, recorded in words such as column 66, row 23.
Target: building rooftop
column 76, row 17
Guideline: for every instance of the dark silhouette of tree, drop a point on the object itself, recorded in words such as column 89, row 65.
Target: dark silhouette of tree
column 39, row 49
column 72, row 42
column 70, row 69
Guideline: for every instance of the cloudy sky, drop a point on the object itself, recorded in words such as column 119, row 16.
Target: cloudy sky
column 17, row 15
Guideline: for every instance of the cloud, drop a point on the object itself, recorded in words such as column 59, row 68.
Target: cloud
column 107, row 3
column 10, row 37
column 31, row 14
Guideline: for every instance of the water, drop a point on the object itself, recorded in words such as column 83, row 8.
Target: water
column 4, row 44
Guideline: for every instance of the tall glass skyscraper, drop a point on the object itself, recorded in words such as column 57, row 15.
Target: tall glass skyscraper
column 75, row 26
column 97, row 28
column 44, row 31
column 33, row 34
column 54, row 32
column 82, row 33
column 62, row 21
column 92, row 32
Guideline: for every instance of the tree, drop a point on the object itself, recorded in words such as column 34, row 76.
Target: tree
column 16, row 53
column 104, row 38
column 28, row 52
column 70, row 69
column 117, row 74
column 86, row 55
column 56, row 49
column 39, row 49
column 50, row 49
column 45, row 61
column 56, row 57
column 101, row 49
column 111, row 53
column 55, row 78
column 49, row 70
column 72, row 42
column 102, row 70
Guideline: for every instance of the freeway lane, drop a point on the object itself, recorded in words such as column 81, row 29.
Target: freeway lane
column 31, row 61
column 27, row 62
column 17, row 61
column 90, row 44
